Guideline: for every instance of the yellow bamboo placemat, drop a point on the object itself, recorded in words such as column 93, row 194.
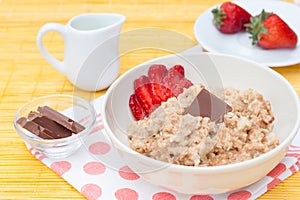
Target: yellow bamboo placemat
column 25, row 74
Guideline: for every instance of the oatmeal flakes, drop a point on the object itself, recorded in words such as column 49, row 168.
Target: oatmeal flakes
column 171, row 136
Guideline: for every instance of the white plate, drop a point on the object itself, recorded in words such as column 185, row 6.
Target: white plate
column 239, row 44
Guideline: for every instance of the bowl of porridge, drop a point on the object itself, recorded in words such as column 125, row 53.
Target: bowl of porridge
column 223, row 125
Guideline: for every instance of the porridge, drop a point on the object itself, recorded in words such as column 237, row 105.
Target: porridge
column 171, row 135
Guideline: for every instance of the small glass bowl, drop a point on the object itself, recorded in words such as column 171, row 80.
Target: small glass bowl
column 73, row 107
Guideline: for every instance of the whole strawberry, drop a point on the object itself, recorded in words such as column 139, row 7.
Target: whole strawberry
column 230, row 18
column 269, row 31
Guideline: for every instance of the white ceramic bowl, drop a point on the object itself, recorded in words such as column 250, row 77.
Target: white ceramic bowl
column 213, row 70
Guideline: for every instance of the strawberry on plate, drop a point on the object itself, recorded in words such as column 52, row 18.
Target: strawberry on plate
column 230, row 18
column 269, row 31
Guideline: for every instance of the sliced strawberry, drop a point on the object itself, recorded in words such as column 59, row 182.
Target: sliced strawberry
column 144, row 97
column 159, row 93
column 171, row 80
column 156, row 73
column 140, row 81
column 136, row 108
column 166, row 92
column 185, row 83
column 156, row 93
column 176, row 89
column 178, row 68
column 175, row 81
column 160, row 85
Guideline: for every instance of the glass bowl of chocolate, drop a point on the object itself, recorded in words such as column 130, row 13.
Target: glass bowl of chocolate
column 55, row 125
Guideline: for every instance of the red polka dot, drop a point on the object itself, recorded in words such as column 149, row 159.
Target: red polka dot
column 294, row 146
column 36, row 154
column 293, row 169
column 94, row 168
column 84, row 119
column 30, row 149
column 295, row 155
column 279, row 169
column 126, row 194
column 42, row 157
column 163, row 196
column 298, row 164
column 126, row 173
column 91, row 191
column 240, row 195
column 273, row 183
column 99, row 148
column 61, row 167
column 97, row 128
column 201, row 197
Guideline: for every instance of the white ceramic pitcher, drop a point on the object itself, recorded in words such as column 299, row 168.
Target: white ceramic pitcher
column 91, row 49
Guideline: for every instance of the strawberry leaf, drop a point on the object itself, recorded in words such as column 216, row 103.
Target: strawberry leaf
column 218, row 16
column 256, row 27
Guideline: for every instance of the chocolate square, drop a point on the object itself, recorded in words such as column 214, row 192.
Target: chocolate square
column 208, row 105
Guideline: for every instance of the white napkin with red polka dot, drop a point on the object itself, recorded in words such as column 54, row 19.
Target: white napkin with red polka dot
column 97, row 172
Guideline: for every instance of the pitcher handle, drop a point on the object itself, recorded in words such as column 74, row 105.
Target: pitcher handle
column 59, row 28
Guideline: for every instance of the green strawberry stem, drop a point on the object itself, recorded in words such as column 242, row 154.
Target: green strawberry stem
column 218, row 16
column 256, row 27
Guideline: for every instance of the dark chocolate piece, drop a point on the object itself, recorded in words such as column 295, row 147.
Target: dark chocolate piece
column 32, row 115
column 49, row 124
column 61, row 119
column 208, row 105
column 56, row 130
column 35, row 128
